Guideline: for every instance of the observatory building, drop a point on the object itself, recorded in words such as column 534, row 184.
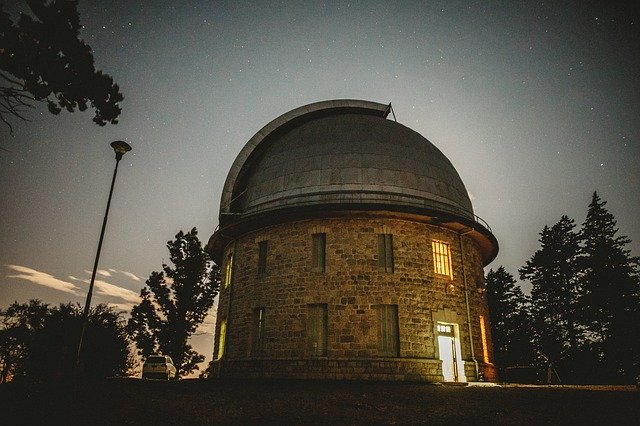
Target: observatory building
column 349, row 250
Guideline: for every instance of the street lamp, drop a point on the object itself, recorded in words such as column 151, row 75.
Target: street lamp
column 120, row 148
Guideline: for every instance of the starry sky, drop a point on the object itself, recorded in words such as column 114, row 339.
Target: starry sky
column 537, row 105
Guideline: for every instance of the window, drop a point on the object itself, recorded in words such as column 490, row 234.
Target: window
column 442, row 258
column 228, row 270
column 483, row 335
column 258, row 331
column 317, row 330
column 318, row 251
column 221, row 339
column 263, row 247
column 385, row 252
column 388, row 343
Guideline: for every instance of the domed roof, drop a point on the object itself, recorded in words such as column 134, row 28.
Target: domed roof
column 340, row 154
column 344, row 155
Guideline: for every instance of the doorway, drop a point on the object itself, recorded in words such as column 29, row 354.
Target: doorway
column 450, row 353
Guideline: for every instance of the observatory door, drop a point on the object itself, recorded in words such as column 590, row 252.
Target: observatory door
column 450, row 354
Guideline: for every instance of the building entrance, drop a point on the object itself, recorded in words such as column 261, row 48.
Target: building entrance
column 450, row 353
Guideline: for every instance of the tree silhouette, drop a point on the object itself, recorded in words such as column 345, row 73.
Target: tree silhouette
column 510, row 321
column 43, row 342
column 175, row 301
column 555, row 294
column 42, row 59
column 611, row 303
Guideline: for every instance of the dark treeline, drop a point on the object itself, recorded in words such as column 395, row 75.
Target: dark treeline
column 581, row 322
column 39, row 342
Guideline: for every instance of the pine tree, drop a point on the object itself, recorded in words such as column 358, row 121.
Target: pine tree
column 553, row 273
column 175, row 301
column 510, row 321
column 612, row 294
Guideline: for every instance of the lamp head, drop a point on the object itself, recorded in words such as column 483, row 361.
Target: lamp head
column 121, row 148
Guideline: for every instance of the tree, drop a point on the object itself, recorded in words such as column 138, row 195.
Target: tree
column 553, row 273
column 510, row 320
column 611, row 301
column 175, row 301
column 43, row 342
column 19, row 323
column 42, row 59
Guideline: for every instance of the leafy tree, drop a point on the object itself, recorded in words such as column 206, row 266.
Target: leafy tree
column 42, row 59
column 175, row 301
column 555, row 294
column 510, row 320
column 19, row 323
column 44, row 342
column 612, row 294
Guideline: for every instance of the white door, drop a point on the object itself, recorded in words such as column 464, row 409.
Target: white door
column 449, row 351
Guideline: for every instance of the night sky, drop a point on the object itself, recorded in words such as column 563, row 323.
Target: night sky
column 536, row 104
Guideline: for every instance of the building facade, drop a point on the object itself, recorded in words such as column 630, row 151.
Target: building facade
column 349, row 250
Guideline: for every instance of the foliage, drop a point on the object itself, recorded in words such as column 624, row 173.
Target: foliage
column 39, row 342
column 175, row 301
column 42, row 59
column 611, row 302
column 510, row 320
column 555, row 294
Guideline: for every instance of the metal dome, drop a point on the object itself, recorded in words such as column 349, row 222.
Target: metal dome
column 342, row 153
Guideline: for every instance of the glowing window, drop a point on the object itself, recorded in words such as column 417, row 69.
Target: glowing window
column 442, row 258
column 385, row 252
column 263, row 247
column 221, row 339
column 445, row 329
column 258, row 331
column 228, row 270
column 318, row 258
column 388, row 330
column 483, row 335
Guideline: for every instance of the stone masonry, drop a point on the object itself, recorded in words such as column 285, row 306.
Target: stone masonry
column 352, row 285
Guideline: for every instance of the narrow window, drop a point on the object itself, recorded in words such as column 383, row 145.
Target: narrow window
column 318, row 251
column 388, row 341
column 257, row 346
column 317, row 330
column 263, row 247
column 442, row 258
column 385, row 252
column 483, row 335
column 228, row 270
column 221, row 339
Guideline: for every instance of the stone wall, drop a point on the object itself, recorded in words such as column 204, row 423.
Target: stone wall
column 352, row 286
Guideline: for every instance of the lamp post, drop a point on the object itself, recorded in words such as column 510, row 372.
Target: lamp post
column 120, row 149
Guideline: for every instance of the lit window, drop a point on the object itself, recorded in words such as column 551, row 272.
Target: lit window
column 221, row 339
column 318, row 251
column 483, row 335
column 445, row 329
column 258, row 331
column 388, row 330
column 385, row 252
column 228, row 270
column 442, row 258
column 263, row 247
column 317, row 330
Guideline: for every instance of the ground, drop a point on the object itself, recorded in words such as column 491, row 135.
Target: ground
column 197, row 401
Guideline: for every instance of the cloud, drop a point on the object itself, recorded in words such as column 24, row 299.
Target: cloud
column 43, row 279
column 103, row 273
column 130, row 275
column 106, row 289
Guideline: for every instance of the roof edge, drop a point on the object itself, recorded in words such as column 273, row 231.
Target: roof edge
column 361, row 106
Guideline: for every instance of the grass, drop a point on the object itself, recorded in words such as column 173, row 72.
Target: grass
column 197, row 401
